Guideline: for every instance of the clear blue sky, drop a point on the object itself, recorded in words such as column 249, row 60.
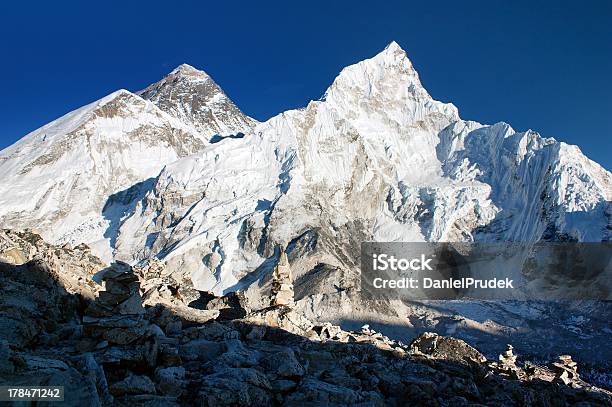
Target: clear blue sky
column 540, row 65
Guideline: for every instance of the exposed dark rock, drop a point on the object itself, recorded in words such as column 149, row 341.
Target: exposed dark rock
column 230, row 306
column 133, row 384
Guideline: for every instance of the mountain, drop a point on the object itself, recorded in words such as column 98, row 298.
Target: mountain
column 166, row 175
column 376, row 159
column 58, row 178
column 196, row 196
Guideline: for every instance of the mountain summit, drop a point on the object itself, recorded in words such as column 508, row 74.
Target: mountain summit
column 189, row 71
column 386, row 85
column 193, row 97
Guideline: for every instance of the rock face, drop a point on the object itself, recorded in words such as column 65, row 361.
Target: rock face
column 107, row 351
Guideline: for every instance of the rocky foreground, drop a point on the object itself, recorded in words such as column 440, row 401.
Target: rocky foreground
column 124, row 335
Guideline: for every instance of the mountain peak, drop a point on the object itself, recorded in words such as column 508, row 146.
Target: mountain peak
column 392, row 61
column 188, row 71
column 394, row 47
column 394, row 55
column 386, row 80
column 193, row 97
column 120, row 93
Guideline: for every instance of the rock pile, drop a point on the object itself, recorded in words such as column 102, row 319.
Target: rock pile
column 113, row 350
column 73, row 267
column 508, row 358
column 566, row 370
column 507, row 363
column 121, row 293
column 160, row 287
column 447, row 348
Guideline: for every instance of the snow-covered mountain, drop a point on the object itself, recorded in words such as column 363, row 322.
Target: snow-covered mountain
column 376, row 159
column 58, row 179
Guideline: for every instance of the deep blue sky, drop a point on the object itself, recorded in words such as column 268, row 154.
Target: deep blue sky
column 540, row 65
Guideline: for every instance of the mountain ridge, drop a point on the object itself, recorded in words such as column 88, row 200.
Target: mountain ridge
column 328, row 149
column 222, row 207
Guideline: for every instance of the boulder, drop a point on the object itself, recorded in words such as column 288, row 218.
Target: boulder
column 447, row 348
column 133, row 384
column 283, row 364
column 315, row 392
column 236, row 387
column 201, row 350
column 171, row 380
column 230, row 306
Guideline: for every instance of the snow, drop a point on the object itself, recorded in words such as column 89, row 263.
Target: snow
column 59, row 184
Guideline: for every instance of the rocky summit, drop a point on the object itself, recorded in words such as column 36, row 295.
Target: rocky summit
column 134, row 336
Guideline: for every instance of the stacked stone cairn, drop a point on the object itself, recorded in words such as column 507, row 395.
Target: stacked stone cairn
column 566, row 370
column 282, row 283
column 122, row 291
column 507, row 362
